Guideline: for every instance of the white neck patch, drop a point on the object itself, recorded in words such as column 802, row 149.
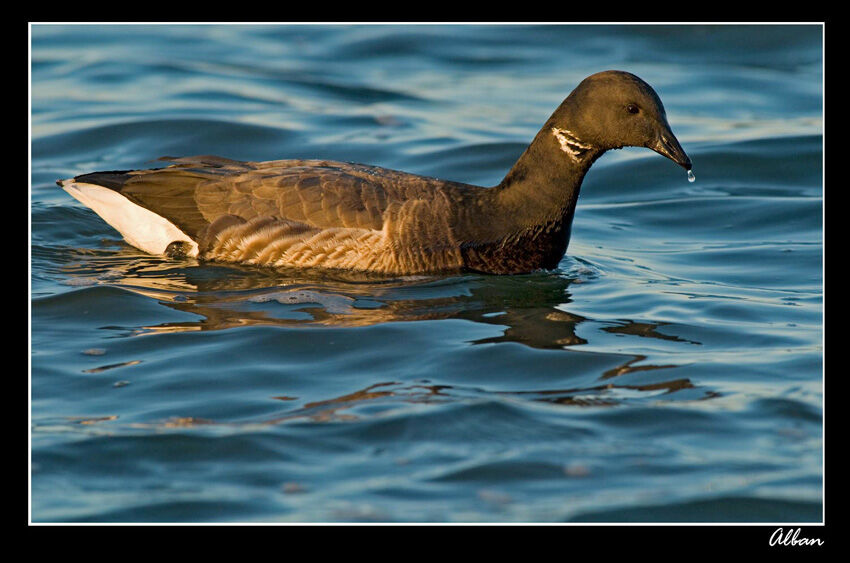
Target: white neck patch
column 570, row 143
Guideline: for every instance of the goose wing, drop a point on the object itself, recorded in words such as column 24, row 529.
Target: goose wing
column 195, row 191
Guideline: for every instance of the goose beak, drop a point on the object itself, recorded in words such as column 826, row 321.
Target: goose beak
column 667, row 145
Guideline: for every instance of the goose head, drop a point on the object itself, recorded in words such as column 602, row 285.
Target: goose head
column 611, row 110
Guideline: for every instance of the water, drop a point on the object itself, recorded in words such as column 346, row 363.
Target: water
column 669, row 370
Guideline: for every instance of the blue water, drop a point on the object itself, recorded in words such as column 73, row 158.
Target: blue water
column 669, row 370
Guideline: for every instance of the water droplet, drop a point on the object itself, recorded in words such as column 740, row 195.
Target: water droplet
column 691, row 177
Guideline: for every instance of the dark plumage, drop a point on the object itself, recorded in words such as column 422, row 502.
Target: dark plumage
column 342, row 215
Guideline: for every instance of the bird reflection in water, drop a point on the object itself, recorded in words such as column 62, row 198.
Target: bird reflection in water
column 530, row 309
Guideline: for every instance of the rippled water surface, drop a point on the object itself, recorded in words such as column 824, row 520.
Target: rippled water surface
column 669, row 370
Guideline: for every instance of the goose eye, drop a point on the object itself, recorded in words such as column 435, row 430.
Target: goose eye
column 631, row 108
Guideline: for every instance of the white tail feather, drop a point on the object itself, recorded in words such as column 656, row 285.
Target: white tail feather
column 140, row 227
